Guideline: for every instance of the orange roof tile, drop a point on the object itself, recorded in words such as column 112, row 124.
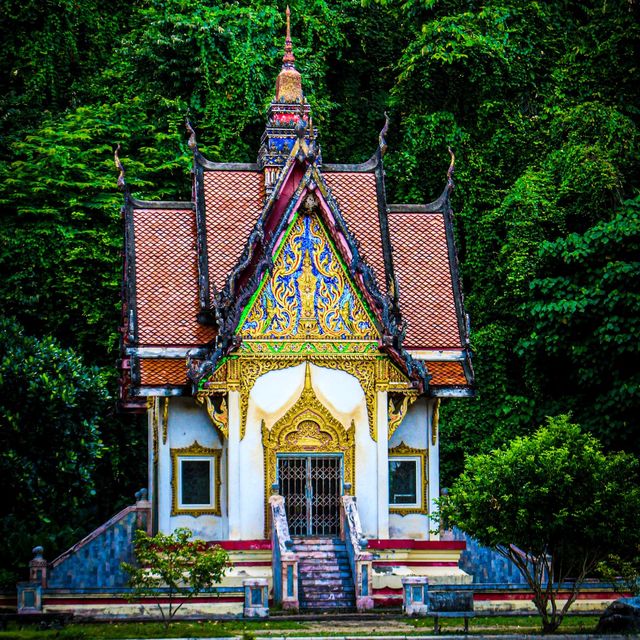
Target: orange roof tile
column 166, row 278
column 421, row 264
column 233, row 202
column 357, row 199
column 163, row 371
column 446, row 374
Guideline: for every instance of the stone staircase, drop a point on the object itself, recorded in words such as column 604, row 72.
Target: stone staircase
column 324, row 574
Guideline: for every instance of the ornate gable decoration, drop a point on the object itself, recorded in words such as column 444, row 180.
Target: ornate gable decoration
column 308, row 295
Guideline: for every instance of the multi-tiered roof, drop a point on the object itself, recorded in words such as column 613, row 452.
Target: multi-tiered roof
column 192, row 268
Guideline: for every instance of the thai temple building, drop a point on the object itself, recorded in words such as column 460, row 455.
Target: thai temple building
column 291, row 335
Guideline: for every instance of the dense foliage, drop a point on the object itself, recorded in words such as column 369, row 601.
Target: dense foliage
column 51, row 409
column 538, row 99
column 172, row 568
column 559, row 499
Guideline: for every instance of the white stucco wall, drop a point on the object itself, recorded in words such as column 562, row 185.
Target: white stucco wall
column 414, row 431
column 189, row 422
column 271, row 397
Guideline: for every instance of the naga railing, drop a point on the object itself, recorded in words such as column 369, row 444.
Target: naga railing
column 359, row 559
column 284, row 562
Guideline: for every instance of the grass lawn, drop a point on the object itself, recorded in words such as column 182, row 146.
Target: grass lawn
column 509, row 624
column 249, row 629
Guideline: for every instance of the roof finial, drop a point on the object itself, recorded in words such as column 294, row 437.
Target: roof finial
column 193, row 143
column 450, row 171
column 120, row 167
column 288, row 58
column 382, row 138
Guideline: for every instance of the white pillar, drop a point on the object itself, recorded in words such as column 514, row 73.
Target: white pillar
column 433, row 466
column 151, row 482
column 382, row 420
column 233, row 466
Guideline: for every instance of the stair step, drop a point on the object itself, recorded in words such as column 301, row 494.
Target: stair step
column 314, row 574
column 326, row 597
column 308, row 588
column 324, row 573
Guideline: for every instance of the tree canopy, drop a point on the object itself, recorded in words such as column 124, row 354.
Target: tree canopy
column 554, row 504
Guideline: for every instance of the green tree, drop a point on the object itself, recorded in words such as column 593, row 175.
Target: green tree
column 173, row 568
column 623, row 574
column 554, row 504
column 51, row 408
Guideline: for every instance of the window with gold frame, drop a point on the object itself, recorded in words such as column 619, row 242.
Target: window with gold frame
column 407, row 480
column 195, row 481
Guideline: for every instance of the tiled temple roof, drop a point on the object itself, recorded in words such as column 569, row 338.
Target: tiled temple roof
column 423, row 271
column 233, row 202
column 166, row 278
column 191, row 267
column 356, row 196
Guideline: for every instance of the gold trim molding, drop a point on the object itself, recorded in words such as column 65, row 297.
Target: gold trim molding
column 402, row 450
column 435, row 422
column 195, row 450
column 373, row 372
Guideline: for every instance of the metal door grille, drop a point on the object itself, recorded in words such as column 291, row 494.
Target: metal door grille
column 311, row 486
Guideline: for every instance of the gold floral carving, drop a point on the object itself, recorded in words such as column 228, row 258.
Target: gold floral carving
column 195, row 450
column 403, row 450
column 362, row 370
column 308, row 426
column 309, row 293
column 165, row 419
column 399, row 404
column 216, row 406
column 435, row 421
column 153, row 406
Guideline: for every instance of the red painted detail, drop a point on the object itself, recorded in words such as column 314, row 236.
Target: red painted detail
column 429, row 545
column 87, row 601
column 386, row 602
column 387, row 591
column 242, row 545
column 251, row 564
column 412, row 563
column 586, row 595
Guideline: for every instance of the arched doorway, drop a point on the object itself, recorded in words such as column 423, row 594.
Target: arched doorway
column 309, row 456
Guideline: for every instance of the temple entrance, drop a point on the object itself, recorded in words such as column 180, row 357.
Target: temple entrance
column 311, row 486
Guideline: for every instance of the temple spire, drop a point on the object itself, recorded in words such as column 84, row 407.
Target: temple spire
column 288, row 59
column 289, row 82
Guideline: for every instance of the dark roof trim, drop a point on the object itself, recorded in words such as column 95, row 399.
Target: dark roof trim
column 455, row 276
column 161, row 204
column 433, row 207
column 387, row 251
column 363, row 167
column 204, row 292
column 224, row 166
column 129, row 286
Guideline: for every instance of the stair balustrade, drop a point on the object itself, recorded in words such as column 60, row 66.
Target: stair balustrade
column 284, row 561
column 356, row 544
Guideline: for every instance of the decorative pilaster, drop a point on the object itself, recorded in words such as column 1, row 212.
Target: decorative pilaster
column 233, row 466
column 433, row 439
column 382, row 444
